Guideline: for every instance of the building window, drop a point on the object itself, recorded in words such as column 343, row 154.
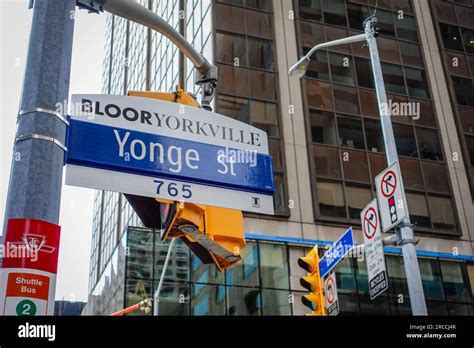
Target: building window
column 274, row 266
column 323, row 130
column 207, row 300
column 243, row 301
column 331, row 199
column 350, row 133
column 455, row 281
column 327, row 162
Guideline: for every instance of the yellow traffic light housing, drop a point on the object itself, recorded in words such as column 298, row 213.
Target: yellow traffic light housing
column 215, row 235
column 179, row 96
column 312, row 282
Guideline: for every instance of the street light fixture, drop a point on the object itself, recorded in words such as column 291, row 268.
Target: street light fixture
column 300, row 68
column 404, row 231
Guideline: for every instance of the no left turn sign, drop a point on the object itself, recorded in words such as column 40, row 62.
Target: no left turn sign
column 370, row 222
column 389, row 184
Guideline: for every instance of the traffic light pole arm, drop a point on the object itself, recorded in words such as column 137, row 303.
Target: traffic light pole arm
column 206, row 73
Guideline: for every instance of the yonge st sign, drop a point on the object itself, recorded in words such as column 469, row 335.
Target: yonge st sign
column 154, row 148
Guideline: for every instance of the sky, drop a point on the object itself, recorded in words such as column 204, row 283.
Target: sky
column 86, row 72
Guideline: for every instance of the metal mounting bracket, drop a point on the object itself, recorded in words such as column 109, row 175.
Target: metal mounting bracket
column 44, row 111
column 41, row 137
column 208, row 84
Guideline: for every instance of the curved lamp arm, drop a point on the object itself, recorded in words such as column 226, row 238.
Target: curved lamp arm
column 299, row 69
column 206, row 73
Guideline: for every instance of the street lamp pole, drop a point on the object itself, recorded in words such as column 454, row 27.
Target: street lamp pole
column 206, row 74
column 404, row 232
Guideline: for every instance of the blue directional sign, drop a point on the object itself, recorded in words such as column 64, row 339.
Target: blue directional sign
column 334, row 255
column 142, row 153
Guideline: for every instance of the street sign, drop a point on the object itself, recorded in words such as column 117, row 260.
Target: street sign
column 340, row 248
column 28, row 276
column 391, row 197
column 373, row 246
column 330, row 291
column 154, row 148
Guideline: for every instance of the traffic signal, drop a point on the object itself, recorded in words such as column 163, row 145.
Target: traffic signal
column 312, row 282
column 215, row 235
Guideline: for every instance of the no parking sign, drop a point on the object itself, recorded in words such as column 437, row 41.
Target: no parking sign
column 330, row 292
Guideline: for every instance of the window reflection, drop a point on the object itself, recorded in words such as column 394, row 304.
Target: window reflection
column 455, row 281
column 136, row 291
column 442, row 212
column 335, row 12
column 260, row 53
column 431, row 278
column 341, row 69
column 246, row 272
column 331, row 199
column 208, row 300
column 355, row 166
column 419, row 210
column 276, row 302
column 230, row 48
column 345, row 276
column 357, row 198
column 140, row 260
column 373, row 133
column 205, row 273
column 174, row 299
column 243, row 301
column 234, row 107
column 310, row 9
column 323, row 129
column 327, row 162
column 405, row 140
column 350, row 133
column 319, row 94
column 274, row 266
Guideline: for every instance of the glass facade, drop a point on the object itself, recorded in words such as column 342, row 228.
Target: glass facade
column 261, row 283
column 453, row 21
column 248, row 76
column 342, row 116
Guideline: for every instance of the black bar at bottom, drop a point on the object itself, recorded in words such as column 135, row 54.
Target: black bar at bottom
column 218, row 330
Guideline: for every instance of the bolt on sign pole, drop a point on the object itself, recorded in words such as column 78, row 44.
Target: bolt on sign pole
column 34, row 190
column 404, row 231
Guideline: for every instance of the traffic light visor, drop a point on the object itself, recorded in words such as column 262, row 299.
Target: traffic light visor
column 310, row 301
column 310, row 282
column 308, row 263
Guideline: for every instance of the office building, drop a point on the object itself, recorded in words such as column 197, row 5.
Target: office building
column 327, row 147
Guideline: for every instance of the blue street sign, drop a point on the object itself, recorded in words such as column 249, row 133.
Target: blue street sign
column 332, row 257
column 136, row 152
